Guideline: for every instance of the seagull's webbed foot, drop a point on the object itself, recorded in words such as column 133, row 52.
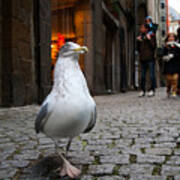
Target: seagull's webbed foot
column 69, row 170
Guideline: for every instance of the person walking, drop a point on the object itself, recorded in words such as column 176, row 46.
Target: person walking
column 146, row 48
column 172, row 63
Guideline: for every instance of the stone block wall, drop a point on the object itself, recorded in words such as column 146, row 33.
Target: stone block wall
column 43, row 54
column 24, row 87
column 0, row 45
column 98, row 47
column 18, row 79
column 6, row 54
column 84, row 35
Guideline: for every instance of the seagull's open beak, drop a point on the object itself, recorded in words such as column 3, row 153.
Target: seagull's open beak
column 82, row 48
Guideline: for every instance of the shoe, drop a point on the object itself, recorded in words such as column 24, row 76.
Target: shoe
column 173, row 95
column 142, row 94
column 151, row 93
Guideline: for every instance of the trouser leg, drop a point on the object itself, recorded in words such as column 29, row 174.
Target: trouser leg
column 174, row 82
column 178, row 90
column 143, row 76
column 168, row 82
column 152, row 75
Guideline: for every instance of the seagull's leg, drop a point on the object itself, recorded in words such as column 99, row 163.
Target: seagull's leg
column 68, row 146
column 67, row 168
column 38, row 141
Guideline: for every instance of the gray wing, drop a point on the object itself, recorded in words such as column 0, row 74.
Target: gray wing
column 92, row 122
column 41, row 118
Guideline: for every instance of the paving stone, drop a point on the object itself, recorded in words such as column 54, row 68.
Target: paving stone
column 177, row 177
column 22, row 138
column 144, row 140
column 177, row 151
column 27, row 155
column 170, row 170
column 150, row 159
column 165, row 145
column 131, row 150
column 6, row 145
column 18, row 164
column 147, row 177
column 174, row 160
column 43, row 141
column 164, row 139
column 46, row 146
column 4, row 165
column 111, row 178
column 117, row 159
column 83, row 160
column 159, row 151
column 106, row 152
column 137, row 169
column 4, row 140
column 28, row 146
column 9, row 173
column 86, row 177
column 104, row 169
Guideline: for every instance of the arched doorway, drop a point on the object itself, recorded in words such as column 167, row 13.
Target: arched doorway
column 69, row 23
column 56, row 23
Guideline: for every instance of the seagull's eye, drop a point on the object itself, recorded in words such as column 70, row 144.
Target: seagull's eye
column 64, row 48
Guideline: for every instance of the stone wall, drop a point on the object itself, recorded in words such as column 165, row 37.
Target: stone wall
column 24, row 88
column 113, row 51
column 0, row 46
column 18, row 81
column 43, row 48
column 127, row 23
column 98, row 45
column 6, row 53
column 87, row 27
column 106, row 50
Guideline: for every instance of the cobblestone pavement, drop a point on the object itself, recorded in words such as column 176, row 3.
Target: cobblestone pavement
column 134, row 139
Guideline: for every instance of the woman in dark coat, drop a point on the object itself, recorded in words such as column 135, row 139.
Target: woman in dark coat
column 172, row 63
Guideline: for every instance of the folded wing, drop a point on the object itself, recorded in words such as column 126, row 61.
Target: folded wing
column 92, row 121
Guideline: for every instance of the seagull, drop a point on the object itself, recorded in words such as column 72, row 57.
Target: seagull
column 69, row 109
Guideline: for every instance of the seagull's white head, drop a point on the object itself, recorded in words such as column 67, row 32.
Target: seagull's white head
column 71, row 49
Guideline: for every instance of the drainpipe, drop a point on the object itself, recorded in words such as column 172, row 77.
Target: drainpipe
column 167, row 16
column 136, row 64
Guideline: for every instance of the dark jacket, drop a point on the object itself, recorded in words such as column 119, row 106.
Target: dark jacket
column 173, row 65
column 146, row 48
column 152, row 27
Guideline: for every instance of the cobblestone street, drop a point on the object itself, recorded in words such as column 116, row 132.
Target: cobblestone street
column 134, row 139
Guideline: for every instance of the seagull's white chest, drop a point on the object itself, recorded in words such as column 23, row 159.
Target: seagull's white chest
column 69, row 118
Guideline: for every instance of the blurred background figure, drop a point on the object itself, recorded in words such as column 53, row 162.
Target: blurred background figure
column 172, row 63
column 146, row 49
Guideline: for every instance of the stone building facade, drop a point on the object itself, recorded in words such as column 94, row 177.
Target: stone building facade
column 26, row 30
column 157, row 9
column 24, row 77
